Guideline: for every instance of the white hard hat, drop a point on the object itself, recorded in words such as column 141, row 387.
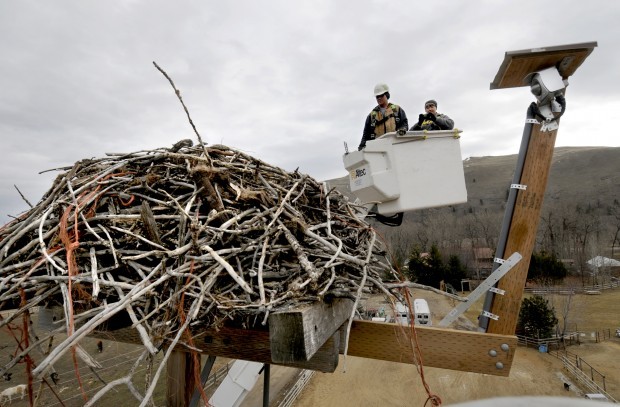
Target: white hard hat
column 381, row 88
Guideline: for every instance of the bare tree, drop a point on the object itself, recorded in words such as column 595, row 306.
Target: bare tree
column 489, row 225
column 562, row 305
column 614, row 211
column 587, row 223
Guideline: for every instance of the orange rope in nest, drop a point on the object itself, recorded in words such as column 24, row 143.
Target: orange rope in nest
column 71, row 243
column 417, row 354
column 415, row 346
column 190, row 341
column 70, row 246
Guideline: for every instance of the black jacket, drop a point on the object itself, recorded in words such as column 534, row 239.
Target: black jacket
column 442, row 122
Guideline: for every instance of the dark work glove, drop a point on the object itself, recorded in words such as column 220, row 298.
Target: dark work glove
column 402, row 132
column 421, row 118
column 431, row 117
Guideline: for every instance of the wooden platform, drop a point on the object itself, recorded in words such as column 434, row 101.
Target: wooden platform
column 313, row 337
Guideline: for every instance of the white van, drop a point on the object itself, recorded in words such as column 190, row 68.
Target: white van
column 422, row 313
column 401, row 314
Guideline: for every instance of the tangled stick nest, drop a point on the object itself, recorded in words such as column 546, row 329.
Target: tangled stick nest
column 180, row 238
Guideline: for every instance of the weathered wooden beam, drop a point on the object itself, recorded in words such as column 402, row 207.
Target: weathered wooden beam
column 255, row 346
column 296, row 335
column 444, row 348
column 245, row 344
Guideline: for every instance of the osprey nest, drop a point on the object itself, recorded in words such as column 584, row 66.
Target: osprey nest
column 179, row 239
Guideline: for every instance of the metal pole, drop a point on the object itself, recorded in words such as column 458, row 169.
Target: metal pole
column 266, row 374
column 204, row 375
column 483, row 322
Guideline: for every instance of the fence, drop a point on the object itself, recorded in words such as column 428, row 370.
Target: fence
column 588, row 289
column 292, row 394
column 218, row 375
column 581, row 370
column 559, row 342
column 583, row 378
column 594, row 336
column 584, row 367
column 576, row 368
column 603, row 335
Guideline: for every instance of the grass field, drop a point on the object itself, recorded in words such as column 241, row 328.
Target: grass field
column 586, row 313
column 533, row 373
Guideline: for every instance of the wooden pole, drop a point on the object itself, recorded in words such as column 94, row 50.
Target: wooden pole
column 522, row 229
column 181, row 379
column 516, row 71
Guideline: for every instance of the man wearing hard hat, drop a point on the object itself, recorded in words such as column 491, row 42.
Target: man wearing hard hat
column 384, row 118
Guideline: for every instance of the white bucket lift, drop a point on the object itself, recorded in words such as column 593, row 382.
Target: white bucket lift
column 417, row 170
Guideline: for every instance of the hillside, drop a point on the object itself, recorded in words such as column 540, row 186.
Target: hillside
column 581, row 202
column 579, row 175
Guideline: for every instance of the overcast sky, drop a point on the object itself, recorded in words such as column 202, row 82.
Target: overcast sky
column 285, row 81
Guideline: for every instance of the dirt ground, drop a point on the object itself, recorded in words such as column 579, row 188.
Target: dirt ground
column 116, row 360
column 369, row 382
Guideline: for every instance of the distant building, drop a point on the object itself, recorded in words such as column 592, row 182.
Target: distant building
column 603, row 265
column 483, row 261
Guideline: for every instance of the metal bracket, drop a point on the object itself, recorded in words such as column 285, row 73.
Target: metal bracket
column 518, row 186
column 532, row 121
column 497, row 290
column 549, row 126
column 486, row 285
column 490, row 315
column 499, row 261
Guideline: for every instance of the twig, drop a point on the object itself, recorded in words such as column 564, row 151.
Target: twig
column 358, row 296
column 22, row 195
column 178, row 93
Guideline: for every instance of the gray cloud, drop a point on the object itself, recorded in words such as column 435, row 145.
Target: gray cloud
column 288, row 82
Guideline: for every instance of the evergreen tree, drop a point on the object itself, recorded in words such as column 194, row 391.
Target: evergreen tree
column 546, row 268
column 428, row 270
column 414, row 262
column 536, row 318
column 455, row 271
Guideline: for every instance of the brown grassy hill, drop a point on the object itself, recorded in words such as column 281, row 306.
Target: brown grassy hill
column 585, row 173
column 578, row 174
column 581, row 180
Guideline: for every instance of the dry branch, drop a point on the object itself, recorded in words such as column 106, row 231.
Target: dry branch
column 182, row 239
